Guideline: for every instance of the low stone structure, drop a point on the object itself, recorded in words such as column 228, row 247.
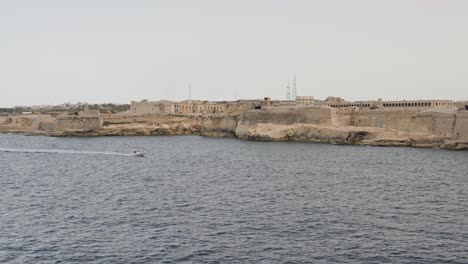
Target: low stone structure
column 145, row 107
column 78, row 123
column 200, row 107
column 168, row 107
column 305, row 100
column 380, row 104
column 87, row 120
column 291, row 115
column 24, row 122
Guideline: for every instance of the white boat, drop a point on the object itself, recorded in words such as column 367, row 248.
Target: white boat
column 138, row 154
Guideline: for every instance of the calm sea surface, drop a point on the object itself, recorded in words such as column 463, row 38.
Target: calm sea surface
column 210, row 200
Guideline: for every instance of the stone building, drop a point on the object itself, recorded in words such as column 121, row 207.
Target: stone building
column 200, row 107
column 145, row 107
column 380, row 104
column 305, row 100
column 86, row 120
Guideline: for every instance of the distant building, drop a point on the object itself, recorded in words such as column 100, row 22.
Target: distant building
column 336, row 102
column 168, row 107
column 305, row 100
column 145, row 107
column 200, row 107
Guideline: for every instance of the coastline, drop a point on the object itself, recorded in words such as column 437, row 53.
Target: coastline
column 359, row 137
column 433, row 128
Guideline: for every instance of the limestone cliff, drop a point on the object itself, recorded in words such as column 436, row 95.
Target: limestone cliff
column 220, row 126
column 342, row 135
column 123, row 125
column 431, row 128
column 441, row 130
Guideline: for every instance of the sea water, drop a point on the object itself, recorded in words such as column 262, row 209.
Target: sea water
column 214, row 200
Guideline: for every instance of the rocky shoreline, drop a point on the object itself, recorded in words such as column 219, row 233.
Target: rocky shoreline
column 273, row 133
column 314, row 125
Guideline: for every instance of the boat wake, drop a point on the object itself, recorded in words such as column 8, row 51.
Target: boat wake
column 64, row 151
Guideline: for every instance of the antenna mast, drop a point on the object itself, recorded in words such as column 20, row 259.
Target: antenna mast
column 190, row 91
column 288, row 92
column 294, row 89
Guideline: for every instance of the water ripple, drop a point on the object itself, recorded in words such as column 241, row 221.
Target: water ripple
column 206, row 200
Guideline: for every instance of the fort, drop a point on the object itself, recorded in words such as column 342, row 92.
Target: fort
column 414, row 123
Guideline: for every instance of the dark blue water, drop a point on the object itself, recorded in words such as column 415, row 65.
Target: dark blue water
column 207, row 200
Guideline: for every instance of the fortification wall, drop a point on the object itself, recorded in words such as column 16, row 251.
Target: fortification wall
column 121, row 119
column 437, row 123
column 398, row 120
column 39, row 119
column 29, row 121
column 290, row 115
column 78, row 123
column 127, row 119
column 440, row 122
column 48, row 126
column 461, row 126
column 24, row 121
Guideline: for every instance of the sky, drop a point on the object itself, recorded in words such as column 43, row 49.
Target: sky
column 98, row 51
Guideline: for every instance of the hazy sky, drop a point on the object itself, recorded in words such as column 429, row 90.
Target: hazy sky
column 60, row 51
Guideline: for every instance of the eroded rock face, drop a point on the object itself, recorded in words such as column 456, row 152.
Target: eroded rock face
column 257, row 126
column 317, row 124
column 182, row 128
column 220, row 126
column 344, row 135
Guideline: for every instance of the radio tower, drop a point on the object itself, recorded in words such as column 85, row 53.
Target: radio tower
column 190, row 92
column 288, row 92
column 294, row 89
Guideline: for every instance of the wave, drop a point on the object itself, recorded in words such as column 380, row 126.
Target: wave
column 63, row 151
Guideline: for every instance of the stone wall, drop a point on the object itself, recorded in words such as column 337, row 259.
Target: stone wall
column 283, row 116
column 398, row 120
column 120, row 119
column 290, row 115
column 149, row 107
column 78, row 123
column 29, row 121
column 24, row 121
column 461, row 126
column 143, row 107
column 440, row 122
column 48, row 126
